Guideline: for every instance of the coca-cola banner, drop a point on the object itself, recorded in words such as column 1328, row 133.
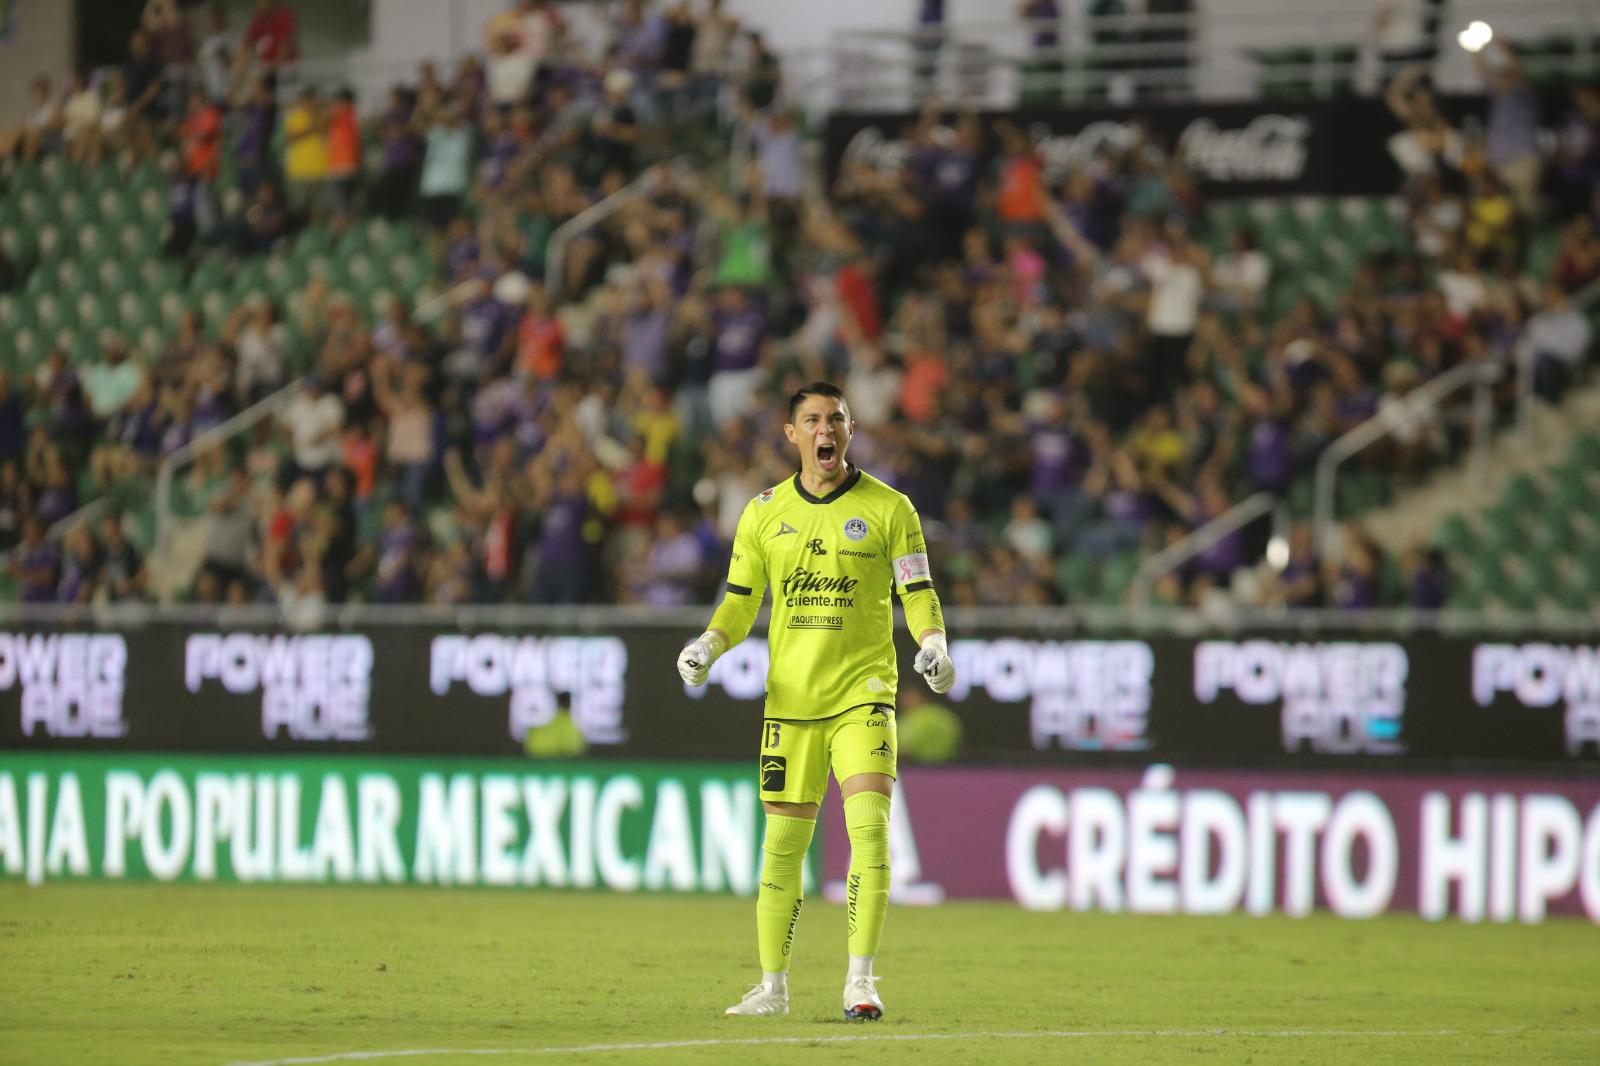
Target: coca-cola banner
column 1249, row 149
column 1160, row 840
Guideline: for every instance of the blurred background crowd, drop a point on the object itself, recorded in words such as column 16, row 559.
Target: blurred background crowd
column 1065, row 369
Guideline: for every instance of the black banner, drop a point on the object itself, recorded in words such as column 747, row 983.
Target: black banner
column 1422, row 701
column 1314, row 147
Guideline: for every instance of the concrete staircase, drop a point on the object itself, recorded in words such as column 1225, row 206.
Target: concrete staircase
column 1463, row 487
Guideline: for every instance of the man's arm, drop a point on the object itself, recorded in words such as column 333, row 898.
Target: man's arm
column 747, row 584
column 913, row 582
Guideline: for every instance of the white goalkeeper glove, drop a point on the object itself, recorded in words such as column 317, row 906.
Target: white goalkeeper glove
column 694, row 661
column 933, row 663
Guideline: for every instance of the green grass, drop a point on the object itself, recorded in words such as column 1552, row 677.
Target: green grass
column 191, row 974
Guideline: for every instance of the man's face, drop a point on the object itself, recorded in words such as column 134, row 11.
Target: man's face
column 821, row 432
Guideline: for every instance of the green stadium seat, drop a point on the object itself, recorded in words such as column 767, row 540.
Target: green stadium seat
column 152, row 206
column 53, row 244
column 173, row 305
column 71, row 208
column 134, row 312
column 150, row 337
column 1455, row 536
column 111, row 276
column 49, row 314
column 114, row 208
column 1522, row 494
column 136, row 243
column 91, row 314
column 27, row 346
column 14, row 312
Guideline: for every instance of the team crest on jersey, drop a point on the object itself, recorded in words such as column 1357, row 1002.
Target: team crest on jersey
column 855, row 529
column 765, row 496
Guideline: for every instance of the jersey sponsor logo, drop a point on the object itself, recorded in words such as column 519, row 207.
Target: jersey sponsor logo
column 858, row 555
column 813, row 588
column 816, row 621
column 765, row 496
column 884, row 750
column 877, row 710
column 774, row 769
column 856, row 529
column 815, row 544
column 913, row 567
column 784, row 527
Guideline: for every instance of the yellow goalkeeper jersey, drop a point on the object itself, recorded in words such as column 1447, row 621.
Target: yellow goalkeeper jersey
column 831, row 563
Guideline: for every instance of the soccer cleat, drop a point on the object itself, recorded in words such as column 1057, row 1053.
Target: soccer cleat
column 759, row 1001
column 861, row 1002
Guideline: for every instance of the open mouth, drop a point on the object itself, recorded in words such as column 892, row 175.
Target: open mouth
column 827, row 456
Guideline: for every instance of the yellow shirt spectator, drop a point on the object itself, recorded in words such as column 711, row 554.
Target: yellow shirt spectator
column 305, row 154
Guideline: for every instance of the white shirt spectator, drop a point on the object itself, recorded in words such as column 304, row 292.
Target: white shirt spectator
column 1464, row 291
column 1175, row 293
column 1243, row 275
column 314, row 421
column 1562, row 332
column 261, row 355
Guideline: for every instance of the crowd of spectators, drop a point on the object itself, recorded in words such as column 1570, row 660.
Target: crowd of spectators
column 1052, row 365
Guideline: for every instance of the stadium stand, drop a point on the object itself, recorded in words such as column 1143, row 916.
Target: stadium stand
column 1082, row 373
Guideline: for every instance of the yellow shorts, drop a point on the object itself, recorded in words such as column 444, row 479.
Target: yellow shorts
column 797, row 754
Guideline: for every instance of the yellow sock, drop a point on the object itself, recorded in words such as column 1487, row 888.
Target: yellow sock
column 778, row 902
column 866, row 817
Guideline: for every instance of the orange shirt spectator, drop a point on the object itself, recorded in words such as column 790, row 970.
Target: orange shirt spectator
column 539, row 340
column 202, row 138
column 924, row 379
column 1021, row 195
column 344, row 138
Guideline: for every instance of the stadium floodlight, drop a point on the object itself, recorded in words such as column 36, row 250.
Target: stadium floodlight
column 1476, row 36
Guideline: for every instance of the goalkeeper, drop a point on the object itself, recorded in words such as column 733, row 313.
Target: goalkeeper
column 831, row 542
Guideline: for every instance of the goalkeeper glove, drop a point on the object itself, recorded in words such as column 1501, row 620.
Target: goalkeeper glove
column 694, row 661
column 933, row 663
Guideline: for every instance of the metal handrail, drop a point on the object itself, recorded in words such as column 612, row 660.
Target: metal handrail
column 644, row 185
column 1580, row 301
column 1225, row 524
column 1423, row 400
column 216, row 435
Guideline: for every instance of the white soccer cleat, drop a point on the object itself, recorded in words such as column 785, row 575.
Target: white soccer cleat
column 760, row 1001
column 861, row 1002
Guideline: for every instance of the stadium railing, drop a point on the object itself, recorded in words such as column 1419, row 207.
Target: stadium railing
column 1583, row 300
column 215, row 437
column 646, row 184
column 1251, row 48
column 1424, row 400
column 1228, row 522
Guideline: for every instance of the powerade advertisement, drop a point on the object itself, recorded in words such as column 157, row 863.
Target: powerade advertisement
column 1151, row 841
column 1424, row 702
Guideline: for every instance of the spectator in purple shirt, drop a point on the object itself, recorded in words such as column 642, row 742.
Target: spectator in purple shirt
column 35, row 564
column 252, row 150
column 563, row 554
column 1353, row 581
column 80, row 562
column 395, row 575
column 741, row 330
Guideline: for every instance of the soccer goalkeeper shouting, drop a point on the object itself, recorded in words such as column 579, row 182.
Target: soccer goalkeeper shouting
column 831, row 542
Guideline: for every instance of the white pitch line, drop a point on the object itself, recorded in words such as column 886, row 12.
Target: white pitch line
column 1060, row 1034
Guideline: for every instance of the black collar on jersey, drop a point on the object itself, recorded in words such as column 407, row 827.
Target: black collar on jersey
column 849, row 483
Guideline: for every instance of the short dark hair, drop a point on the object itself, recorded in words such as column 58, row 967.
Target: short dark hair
column 816, row 388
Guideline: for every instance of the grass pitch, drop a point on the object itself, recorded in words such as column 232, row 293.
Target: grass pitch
column 190, row 974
